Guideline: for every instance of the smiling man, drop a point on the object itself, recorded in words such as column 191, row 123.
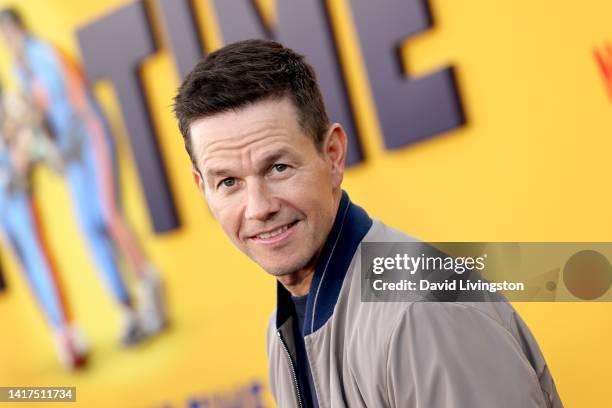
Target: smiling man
column 270, row 166
column 263, row 185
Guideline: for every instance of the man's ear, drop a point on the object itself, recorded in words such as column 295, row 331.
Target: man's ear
column 197, row 177
column 335, row 152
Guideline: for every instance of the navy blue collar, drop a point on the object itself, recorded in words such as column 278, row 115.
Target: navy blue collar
column 350, row 226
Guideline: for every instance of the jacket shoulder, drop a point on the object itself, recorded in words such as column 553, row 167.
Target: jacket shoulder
column 381, row 232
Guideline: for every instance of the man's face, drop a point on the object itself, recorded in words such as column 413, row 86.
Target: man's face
column 272, row 192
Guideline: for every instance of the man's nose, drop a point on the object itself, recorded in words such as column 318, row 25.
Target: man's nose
column 261, row 204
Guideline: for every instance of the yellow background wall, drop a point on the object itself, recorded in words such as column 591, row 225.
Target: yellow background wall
column 532, row 164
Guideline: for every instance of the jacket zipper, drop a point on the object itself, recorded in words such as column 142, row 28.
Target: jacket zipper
column 293, row 374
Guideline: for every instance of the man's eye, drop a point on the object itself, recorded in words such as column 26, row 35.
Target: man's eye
column 228, row 182
column 280, row 167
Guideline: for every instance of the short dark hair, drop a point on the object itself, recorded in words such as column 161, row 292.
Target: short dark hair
column 246, row 72
column 11, row 14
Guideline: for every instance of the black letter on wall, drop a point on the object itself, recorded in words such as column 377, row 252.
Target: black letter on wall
column 2, row 282
column 304, row 26
column 181, row 32
column 114, row 47
column 408, row 109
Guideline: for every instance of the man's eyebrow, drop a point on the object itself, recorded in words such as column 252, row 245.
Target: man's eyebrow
column 213, row 173
column 267, row 160
column 272, row 157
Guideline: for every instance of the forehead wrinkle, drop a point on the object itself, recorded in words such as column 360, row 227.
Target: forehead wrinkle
column 242, row 139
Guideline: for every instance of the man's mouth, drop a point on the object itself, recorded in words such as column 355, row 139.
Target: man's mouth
column 275, row 235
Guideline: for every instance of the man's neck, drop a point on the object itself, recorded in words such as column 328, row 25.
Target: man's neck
column 298, row 283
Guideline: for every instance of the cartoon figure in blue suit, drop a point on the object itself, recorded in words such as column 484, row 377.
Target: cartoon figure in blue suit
column 56, row 85
column 20, row 225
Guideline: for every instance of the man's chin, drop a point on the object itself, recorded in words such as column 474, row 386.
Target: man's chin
column 283, row 268
column 278, row 271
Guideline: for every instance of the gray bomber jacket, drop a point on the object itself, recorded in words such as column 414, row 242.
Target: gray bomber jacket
column 412, row 355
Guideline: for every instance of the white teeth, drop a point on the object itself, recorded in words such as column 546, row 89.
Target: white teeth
column 274, row 233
